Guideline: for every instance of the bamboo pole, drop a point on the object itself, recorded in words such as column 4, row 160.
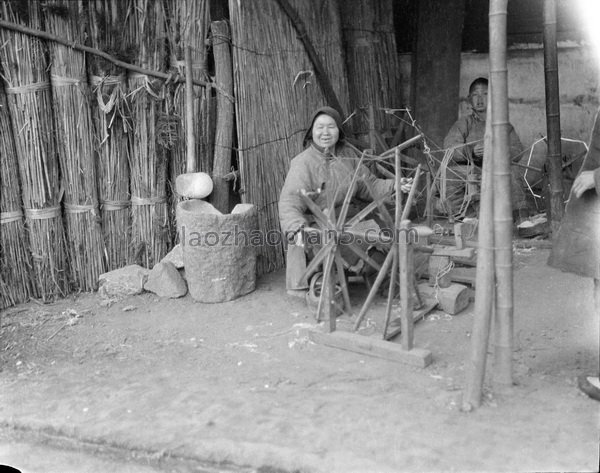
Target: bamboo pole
column 502, row 191
column 79, row 47
column 484, row 292
column 554, row 206
column 224, row 138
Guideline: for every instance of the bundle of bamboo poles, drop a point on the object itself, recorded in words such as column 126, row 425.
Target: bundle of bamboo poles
column 113, row 128
column 188, row 28
column 372, row 62
column 494, row 296
column 15, row 260
column 261, row 49
column 75, row 143
column 152, row 134
column 27, row 85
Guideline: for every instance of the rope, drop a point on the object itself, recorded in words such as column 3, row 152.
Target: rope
column 8, row 217
column 58, row 81
column 148, row 200
column 441, row 272
column 42, row 214
column 113, row 205
column 79, row 209
column 29, row 88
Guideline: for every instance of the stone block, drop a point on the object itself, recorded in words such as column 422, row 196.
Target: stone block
column 218, row 250
column 122, row 282
column 175, row 256
column 164, row 280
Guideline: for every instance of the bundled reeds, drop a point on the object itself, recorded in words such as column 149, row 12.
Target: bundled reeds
column 113, row 128
column 15, row 260
column 188, row 26
column 27, row 85
column 372, row 62
column 74, row 137
column 152, row 134
column 271, row 123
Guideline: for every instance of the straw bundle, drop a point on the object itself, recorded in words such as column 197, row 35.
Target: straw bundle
column 24, row 69
column 188, row 27
column 74, row 131
column 372, row 61
column 114, row 135
column 152, row 134
column 270, row 124
column 15, row 260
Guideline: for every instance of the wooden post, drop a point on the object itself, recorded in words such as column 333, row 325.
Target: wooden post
column 189, row 112
column 436, row 73
column 406, row 263
column 503, row 223
column 555, row 206
column 484, row 291
column 224, row 135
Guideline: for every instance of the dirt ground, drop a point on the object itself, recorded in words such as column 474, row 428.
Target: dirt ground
column 176, row 385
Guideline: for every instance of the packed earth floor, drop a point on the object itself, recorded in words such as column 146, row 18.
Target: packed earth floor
column 176, row 385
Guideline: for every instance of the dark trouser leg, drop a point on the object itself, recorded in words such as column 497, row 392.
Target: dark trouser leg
column 518, row 189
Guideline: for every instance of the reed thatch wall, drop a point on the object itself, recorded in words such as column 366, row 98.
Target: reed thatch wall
column 15, row 283
column 276, row 92
column 24, row 67
column 74, row 129
column 374, row 77
column 121, row 135
column 113, row 127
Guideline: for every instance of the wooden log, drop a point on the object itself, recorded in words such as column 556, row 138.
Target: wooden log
column 454, row 252
column 224, row 136
column 373, row 347
column 452, row 299
column 418, row 314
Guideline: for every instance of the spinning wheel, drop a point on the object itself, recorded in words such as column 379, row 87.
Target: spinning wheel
column 332, row 231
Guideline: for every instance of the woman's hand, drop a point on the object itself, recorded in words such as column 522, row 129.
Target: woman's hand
column 405, row 184
column 478, row 150
column 583, row 182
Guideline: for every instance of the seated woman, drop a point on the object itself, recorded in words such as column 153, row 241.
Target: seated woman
column 466, row 137
column 324, row 170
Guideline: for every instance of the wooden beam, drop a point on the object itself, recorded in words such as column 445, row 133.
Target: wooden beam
column 436, row 75
column 372, row 347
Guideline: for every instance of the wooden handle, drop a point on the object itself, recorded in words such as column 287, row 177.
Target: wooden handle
column 189, row 112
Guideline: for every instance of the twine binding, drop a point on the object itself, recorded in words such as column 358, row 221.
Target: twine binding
column 8, row 217
column 41, row 214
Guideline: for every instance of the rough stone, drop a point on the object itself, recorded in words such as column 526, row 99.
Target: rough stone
column 122, row 282
column 165, row 281
column 175, row 256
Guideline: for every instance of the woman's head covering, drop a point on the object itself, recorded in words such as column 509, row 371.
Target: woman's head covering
column 333, row 113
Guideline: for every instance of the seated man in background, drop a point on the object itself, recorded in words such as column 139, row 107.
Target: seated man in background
column 466, row 137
